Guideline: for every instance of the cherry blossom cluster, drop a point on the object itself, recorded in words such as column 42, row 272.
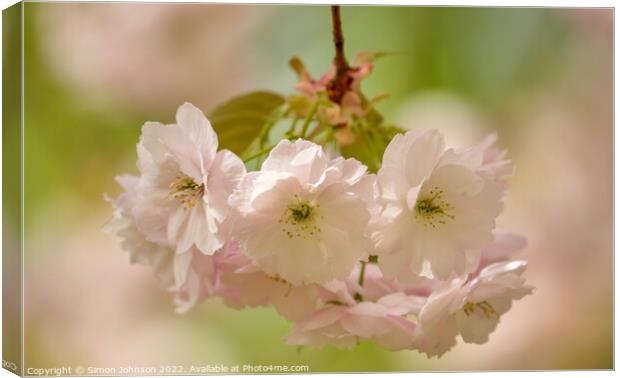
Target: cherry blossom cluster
column 408, row 257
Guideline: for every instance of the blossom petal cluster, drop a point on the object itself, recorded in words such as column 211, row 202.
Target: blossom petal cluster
column 439, row 206
column 304, row 217
column 409, row 257
column 336, row 111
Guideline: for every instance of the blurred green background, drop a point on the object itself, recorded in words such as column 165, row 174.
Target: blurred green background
column 542, row 78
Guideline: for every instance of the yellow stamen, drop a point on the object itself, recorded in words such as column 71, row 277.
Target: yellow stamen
column 484, row 306
column 186, row 190
column 433, row 210
column 299, row 219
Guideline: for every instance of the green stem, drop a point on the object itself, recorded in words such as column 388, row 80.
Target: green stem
column 316, row 132
column 335, row 302
column 291, row 131
column 308, row 119
column 360, row 280
column 258, row 154
column 263, row 136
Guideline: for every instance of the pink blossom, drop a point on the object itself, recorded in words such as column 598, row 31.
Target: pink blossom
column 313, row 91
column 242, row 283
column 438, row 208
column 303, row 209
column 503, row 246
column 194, row 270
column 383, row 321
column 182, row 192
column 489, row 161
column 471, row 308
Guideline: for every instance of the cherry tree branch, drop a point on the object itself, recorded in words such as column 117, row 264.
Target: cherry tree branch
column 341, row 82
column 342, row 66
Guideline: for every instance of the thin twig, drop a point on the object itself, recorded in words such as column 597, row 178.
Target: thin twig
column 340, row 84
column 342, row 66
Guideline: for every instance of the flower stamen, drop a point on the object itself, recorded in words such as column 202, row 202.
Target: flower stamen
column 299, row 219
column 433, row 209
column 486, row 308
column 300, row 212
column 186, row 190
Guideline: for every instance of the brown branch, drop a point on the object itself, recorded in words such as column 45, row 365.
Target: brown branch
column 341, row 83
column 339, row 60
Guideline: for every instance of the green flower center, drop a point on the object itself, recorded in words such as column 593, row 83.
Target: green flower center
column 186, row 191
column 432, row 210
column 299, row 219
column 300, row 212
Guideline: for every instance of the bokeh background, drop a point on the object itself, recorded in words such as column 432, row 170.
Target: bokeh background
column 542, row 78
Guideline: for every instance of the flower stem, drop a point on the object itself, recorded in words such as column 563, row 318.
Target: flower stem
column 308, row 119
column 360, row 280
column 273, row 119
column 290, row 133
column 258, row 154
column 358, row 297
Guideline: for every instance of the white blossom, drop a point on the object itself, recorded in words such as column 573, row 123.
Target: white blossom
column 438, row 208
column 471, row 308
column 184, row 185
column 304, row 217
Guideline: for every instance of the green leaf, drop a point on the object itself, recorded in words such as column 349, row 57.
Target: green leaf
column 370, row 57
column 241, row 119
column 370, row 143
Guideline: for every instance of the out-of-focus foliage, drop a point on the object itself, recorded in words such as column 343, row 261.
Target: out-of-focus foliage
column 240, row 120
column 483, row 54
column 486, row 55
